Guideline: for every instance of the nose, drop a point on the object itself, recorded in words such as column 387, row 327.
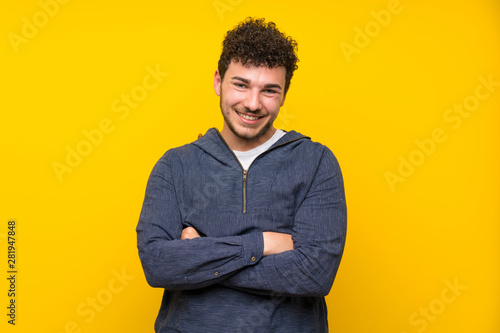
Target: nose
column 252, row 101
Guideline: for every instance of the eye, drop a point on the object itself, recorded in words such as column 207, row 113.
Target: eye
column 270, row 91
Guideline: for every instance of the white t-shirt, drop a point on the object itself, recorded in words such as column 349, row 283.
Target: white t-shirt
column 246, row 157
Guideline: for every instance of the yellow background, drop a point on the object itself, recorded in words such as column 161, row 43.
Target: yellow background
column 407, row 242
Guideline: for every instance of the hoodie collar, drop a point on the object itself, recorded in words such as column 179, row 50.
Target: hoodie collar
column 213, row 143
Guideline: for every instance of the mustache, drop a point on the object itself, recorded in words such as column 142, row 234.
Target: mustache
column 246, row 110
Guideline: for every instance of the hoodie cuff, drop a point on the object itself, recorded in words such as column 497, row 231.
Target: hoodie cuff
column 253, row 248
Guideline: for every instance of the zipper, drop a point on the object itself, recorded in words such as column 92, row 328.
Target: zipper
column 245, row 191
column 245, row 172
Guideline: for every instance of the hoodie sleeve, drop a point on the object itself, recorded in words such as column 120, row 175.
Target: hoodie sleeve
column 318, row 234
column 172, row 263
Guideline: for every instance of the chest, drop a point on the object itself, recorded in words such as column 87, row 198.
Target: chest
column 221, row 199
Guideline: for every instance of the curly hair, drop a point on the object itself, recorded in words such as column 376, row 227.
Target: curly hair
column 258, row 43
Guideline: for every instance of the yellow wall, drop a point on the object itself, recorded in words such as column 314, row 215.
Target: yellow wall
column 397, row 89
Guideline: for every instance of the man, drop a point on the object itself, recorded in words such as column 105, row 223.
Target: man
column 245, row 228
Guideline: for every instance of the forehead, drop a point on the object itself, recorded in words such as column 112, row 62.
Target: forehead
column 256, row 74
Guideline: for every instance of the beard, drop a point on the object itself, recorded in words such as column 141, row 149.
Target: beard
column 246, row 135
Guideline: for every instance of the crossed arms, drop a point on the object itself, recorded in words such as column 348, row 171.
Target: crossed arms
column 274, row 242
column 303, row 263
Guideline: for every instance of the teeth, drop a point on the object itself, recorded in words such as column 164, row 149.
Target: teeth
column 247, row 116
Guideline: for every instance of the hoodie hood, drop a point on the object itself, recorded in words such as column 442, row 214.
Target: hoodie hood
column 214, row 144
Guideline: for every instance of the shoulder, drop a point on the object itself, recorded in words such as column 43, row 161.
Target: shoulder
column 305, row 142
column 185, row 155
column 173, row 158
column 312, row 150
column 175, row 155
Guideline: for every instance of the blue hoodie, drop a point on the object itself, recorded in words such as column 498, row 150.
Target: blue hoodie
column 221, row 282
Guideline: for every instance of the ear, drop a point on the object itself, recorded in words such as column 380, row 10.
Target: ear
column 217, row 82
column 283, row 101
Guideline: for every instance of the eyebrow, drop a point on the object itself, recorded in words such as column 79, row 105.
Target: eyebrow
column 267, row 86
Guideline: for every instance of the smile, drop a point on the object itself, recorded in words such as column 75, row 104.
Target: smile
column 247, row 117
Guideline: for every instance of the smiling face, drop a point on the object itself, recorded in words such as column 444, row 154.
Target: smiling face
column 250, row 99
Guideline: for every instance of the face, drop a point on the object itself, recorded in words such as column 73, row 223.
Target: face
column 250, row 99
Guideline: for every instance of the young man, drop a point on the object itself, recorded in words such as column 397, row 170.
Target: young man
column 245, row 228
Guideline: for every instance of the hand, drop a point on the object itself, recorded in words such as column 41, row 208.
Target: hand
column 189, row 233
column 276, row 242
